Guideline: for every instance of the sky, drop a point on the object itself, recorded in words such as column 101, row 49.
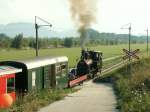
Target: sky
column 111, row 14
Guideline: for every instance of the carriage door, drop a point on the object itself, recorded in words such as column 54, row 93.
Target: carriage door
column 47, row 75
column 53, row 76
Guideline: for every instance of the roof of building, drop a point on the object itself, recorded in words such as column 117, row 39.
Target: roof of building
column 6, row 70
column 43, row 61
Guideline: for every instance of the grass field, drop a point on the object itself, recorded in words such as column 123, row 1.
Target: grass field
column 72, row 53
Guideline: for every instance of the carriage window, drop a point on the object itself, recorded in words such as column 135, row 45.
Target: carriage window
column 97, row 55
column 58, row 69
column 10, row 85
column 63, row 66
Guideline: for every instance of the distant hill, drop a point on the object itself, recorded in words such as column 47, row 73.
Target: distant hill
column 121, row 38
column 28, row 30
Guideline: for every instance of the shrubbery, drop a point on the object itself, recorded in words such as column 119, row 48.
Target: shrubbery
column 133, row 91
column 34, row 100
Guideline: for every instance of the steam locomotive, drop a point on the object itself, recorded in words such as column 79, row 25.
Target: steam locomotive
column 88, row 66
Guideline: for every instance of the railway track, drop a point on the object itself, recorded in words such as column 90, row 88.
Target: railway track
column 111, row 58
column 114, row 67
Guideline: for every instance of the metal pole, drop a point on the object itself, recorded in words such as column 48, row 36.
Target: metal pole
column 147, row 41
column 44, row 21
column 129, row 28
column 36, row 31
column 130, row 41
column 130, row 49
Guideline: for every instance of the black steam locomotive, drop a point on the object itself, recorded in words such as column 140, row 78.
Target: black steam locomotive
column 90, row 64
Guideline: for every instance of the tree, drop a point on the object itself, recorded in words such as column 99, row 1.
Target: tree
column 32, row 43
column 55, row 43
column 25, row 42
column 17, row 41
column 68, row 42
column 76, row 43
column 5, row 41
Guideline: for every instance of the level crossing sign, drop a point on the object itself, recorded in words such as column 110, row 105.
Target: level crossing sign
column 131, row 54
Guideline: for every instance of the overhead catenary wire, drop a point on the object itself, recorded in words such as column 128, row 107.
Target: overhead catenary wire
column 37, row 26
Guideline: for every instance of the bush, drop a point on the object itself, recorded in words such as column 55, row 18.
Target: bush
column 34, row 100
column 133, row 91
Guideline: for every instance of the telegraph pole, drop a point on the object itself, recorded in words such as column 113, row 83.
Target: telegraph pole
column 147, row 31
column 36, row 34
column 128, row 27
column 36, row 31
column 129, row 40
column 130, row 66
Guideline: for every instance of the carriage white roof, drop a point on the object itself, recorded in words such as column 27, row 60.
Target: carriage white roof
column 43, row 61
column 98, row 51
column 6, row 70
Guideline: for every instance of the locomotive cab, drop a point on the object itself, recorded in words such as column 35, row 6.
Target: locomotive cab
column 97, row 55
column 97, row 60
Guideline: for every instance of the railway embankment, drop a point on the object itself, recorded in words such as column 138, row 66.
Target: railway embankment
column 132, row 88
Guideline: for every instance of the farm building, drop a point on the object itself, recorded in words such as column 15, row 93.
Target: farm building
column 40, row 72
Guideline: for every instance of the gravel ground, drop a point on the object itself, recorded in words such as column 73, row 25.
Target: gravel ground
column 91, row 98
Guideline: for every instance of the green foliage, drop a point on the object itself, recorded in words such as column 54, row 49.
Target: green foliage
column 133, row 90
column 5, row 41
column 56, row 42
column 112, row 38
column 25, row 42
column 17, row 41
column 94, row 39
column 31, row 42
column 43, row 43
column 36, row 99
column 68, row 42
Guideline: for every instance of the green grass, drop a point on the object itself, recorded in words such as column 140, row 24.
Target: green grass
column 132, row 90
column 72, row 53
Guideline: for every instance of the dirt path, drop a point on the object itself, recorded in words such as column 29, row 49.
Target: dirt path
column 91, row 98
